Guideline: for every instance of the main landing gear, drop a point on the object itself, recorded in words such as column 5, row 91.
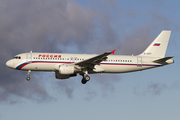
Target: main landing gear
column 85, row 78
column 28, row 78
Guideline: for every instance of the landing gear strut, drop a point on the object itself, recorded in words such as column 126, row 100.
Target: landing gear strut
column 28, row 78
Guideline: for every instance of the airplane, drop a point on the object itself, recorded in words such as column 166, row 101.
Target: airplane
column 69, row 65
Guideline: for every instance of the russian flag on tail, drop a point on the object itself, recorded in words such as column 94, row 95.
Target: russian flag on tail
column 157, row 44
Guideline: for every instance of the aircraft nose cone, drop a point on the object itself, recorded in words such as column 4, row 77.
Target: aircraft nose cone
column 9, row 64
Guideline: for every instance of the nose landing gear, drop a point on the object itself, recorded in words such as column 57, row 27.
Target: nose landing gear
column 28, row 78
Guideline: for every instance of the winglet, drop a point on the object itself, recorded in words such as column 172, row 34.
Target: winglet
column 113, row 52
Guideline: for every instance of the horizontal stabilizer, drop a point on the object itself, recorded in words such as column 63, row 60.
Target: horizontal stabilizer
column 162, row 60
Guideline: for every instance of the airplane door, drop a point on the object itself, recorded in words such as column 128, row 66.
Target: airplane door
column 29, row 57
column 139, row 61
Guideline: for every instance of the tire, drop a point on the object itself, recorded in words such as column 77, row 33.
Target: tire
column 83, row 81
column 87, row 78
column 28, row 78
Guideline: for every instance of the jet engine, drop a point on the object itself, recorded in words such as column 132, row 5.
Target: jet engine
column 66, row 69
column 60, row 76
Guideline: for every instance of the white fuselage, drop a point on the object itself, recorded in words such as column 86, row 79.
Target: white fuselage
column 50, row 61
column 69, row 65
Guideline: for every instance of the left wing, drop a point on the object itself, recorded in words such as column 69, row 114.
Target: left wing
column 91, row 62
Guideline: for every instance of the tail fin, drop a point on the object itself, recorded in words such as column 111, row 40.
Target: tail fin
column 158, row 47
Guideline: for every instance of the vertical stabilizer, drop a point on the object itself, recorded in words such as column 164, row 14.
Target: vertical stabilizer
column 158, row 47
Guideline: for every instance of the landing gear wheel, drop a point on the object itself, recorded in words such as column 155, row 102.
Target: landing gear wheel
column 83, row 81
column 28, row 78
column 87, row 78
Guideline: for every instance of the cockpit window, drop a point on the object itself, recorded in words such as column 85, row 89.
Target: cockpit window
column 17, row 57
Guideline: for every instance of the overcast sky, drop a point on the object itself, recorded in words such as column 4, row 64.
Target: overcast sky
column 88, row 26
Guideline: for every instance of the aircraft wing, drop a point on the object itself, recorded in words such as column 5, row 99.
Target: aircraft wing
column 91, row 62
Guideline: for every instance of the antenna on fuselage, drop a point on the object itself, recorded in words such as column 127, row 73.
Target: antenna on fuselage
column 31, row 51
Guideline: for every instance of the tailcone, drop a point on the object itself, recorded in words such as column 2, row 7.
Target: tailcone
column 170, row 61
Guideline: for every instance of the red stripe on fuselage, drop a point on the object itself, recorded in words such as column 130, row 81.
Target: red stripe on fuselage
column 21, row 66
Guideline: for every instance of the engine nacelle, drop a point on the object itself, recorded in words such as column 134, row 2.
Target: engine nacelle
column 60, row 76
column 66, row 69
